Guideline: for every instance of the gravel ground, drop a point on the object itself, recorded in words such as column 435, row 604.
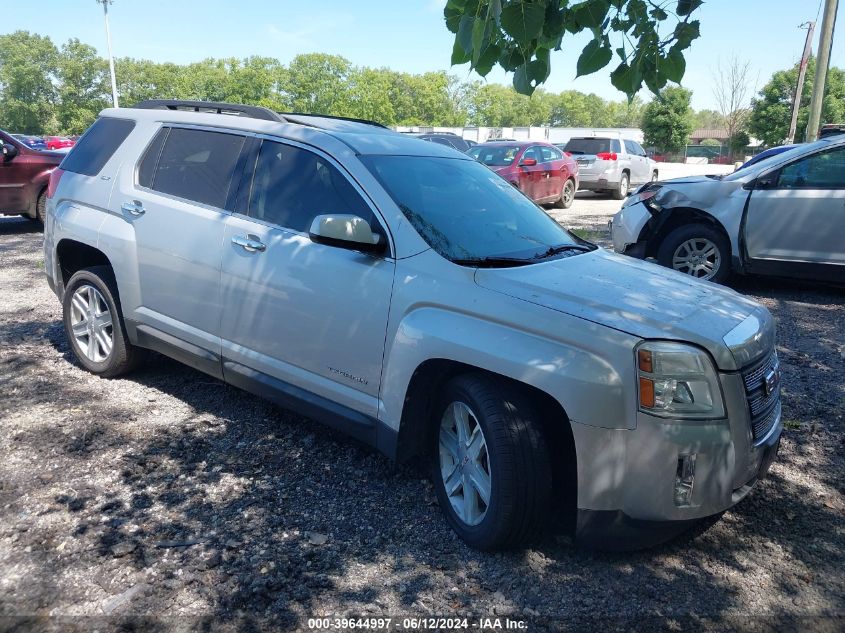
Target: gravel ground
column 175, row 499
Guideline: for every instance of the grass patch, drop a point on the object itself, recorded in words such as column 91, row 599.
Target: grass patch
column 792, row 425
column 591, row 235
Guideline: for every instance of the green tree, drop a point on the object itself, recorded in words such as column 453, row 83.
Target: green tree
column 708, row 120
column 667, row 120
column 495, row 105
column 649, row 38
column 318, row 83
column 28, row 64
column 772, row 110
column 83, row 86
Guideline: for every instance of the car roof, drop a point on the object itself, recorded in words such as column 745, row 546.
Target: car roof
column 361, row 136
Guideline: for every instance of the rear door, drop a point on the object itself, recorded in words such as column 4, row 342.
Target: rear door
column 801, row 218
column 297, row 313
column 177, row 208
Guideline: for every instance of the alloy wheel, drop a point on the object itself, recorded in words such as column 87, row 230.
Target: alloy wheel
column 568, row 193
column 91, row 323
column 464, row 463
column 698, row 257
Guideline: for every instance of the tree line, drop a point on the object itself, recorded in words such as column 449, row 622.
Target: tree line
column 48, row 89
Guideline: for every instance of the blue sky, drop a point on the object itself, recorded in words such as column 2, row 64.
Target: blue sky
column 406, row 35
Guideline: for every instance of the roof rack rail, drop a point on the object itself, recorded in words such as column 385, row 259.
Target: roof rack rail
column 330, row 116
column 233, row 109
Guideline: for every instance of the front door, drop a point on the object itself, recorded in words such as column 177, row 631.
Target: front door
column 177, row 212
column 532, row 180
column 14, row 173
column 801, row 218
column 297, row 313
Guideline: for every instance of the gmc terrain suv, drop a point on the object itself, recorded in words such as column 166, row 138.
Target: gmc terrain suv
column 611, row 164
column 403, row 292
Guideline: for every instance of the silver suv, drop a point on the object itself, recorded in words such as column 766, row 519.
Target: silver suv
column 611, row 164
column 403, row 292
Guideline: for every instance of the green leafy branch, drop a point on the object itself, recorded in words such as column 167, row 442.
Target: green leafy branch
column 519, row 35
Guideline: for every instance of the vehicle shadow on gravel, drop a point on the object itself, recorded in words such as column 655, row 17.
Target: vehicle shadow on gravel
column 19, row 226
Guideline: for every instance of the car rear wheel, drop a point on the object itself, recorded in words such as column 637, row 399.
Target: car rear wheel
column 697, row 250
column 94, row 324
column 654, row 177
column 490, row 464
column 567, row 195
column 41, row 207
column 622, row 191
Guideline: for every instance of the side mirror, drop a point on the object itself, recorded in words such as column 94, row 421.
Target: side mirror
column 9, row 151
column 346, row 231
column 528, row 162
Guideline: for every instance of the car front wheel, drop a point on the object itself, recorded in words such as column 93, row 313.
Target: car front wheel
column 697, row 250
column 490, row 464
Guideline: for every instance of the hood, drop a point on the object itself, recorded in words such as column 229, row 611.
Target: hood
column 636, row 297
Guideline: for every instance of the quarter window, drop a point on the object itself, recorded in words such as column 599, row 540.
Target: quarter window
column 195, row 164
column 292, row 186
column 97, row 146
column 825, row 170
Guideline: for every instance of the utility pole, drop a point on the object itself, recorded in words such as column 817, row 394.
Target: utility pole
column 802, row 73
column 106, row 4
column 825, row 42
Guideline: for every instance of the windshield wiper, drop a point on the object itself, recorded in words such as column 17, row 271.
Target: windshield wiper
column 563, row 248
column 493, row 262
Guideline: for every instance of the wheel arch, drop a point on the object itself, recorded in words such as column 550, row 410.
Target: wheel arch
column 72, row 256
column 416, row 427
column 678, row 217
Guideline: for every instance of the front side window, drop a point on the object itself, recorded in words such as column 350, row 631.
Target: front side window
column 292, row 186
column 197, row 165
column 550, row 154
column 466, row 212
column 825, row 170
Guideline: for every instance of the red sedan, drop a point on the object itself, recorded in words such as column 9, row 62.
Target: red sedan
column 540, row 170
column 58, row 142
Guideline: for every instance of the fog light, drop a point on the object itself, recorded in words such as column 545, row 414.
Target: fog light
column 684, row 479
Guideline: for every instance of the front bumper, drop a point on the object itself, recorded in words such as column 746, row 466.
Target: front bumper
column 627, row 226
column 627, row 478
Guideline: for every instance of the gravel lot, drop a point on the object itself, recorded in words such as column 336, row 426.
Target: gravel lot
column 173, row 497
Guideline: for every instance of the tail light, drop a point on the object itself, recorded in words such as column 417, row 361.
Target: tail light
column 53, row 184
column 568, row 154
column 607, row 156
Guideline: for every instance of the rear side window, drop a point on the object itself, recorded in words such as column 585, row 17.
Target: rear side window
column 97, row 146
column 196, row 165
column 292, row 186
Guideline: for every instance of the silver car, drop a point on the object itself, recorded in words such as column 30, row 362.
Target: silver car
column 783, row 216
column 611, row 164
column 402, row 292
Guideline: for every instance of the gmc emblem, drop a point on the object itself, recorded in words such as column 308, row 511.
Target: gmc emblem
column 771, row 381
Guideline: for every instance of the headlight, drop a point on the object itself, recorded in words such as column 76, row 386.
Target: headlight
column 677, row 381
column 644, row 194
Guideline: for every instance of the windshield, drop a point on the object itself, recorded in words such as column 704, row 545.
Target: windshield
column 778, row 159
column 464, row 211
column 494, row 155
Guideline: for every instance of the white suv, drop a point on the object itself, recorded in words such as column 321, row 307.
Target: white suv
column 611, row 164
column 403, row 292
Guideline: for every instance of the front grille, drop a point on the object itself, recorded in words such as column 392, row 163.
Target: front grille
column 763, row 398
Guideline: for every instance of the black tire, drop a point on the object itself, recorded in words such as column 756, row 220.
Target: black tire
column 567, row 195
column 654, row 176
column 518, row 460
column 41, row 207
column 683, row 234
column 124, row 356
column 621, row 192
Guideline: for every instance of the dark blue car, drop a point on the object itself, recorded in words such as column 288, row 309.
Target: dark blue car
column 34, row 142
column 772, row 151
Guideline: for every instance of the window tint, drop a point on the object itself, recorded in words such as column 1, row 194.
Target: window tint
column 292, row 186
column 97, row 145
column 825, row 170
column 593, row 145
column 198, row 165
column 550, row 154
column 147, row 168
column 630, row 148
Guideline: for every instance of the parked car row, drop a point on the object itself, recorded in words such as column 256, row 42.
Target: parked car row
column 52, row 143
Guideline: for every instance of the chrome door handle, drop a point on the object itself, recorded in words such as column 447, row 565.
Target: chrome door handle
column 135, row 208
column 249, row 243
